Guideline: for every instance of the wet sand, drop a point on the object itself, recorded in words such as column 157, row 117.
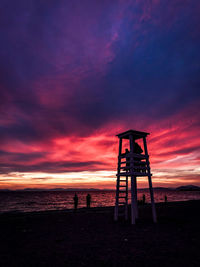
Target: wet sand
column 92, row 238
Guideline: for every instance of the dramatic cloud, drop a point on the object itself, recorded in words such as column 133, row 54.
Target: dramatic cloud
column 75, row 73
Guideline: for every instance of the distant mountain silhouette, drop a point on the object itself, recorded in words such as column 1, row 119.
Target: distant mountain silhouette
column 60, row 189
column 162, row 188
column 188, row 188
column 180, row 188
column 5, row 190
column 157, row 188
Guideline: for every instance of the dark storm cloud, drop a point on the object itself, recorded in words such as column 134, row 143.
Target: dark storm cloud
column 160, row 75
column 21, row 157
column 51, row 167
column 182, row 151
column 149, row 65
column 72, row 67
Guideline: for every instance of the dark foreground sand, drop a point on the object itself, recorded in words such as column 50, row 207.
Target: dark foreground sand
column 92, row 238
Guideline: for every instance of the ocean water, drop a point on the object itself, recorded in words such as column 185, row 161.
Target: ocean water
column 27, row 201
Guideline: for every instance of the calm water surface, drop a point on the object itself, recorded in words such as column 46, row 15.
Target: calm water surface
column 58, row 200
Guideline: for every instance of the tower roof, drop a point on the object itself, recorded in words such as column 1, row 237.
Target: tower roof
column 135, row 134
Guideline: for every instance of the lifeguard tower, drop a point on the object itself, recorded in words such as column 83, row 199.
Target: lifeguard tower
column 132, row 164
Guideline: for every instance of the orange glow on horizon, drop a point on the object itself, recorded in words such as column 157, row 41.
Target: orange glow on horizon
column 91, row 161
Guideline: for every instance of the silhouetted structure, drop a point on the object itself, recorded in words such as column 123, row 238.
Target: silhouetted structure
column 88, row 200
column 128, row 159
column 143, row 199
column 132, row 164
column 165, row 198
column 75, row 201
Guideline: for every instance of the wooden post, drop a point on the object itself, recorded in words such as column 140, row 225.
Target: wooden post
column 133, row 217
column 118, row 180
column 126, row 207
column 150, row 182
column 136, row 204
column 133, row 191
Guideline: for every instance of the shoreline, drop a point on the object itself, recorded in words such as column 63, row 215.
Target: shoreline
column 82, row 209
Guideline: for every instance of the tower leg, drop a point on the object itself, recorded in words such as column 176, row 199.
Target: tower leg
column 133, row 215
column 118, row 181
column 126, row 205
column 136, row 204
column 152, row 199
column 117, row 200
column 150, row 182
column 133, row 183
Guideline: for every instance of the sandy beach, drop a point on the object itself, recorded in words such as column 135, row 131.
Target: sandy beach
column 92, row 238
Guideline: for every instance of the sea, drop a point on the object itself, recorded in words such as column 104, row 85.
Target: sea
column 29, row 201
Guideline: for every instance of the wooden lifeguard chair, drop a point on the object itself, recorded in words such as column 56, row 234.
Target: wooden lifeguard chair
column 132, row 164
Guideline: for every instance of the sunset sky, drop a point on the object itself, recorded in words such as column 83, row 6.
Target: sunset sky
column 73, row 74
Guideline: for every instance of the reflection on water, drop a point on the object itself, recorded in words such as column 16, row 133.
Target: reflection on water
column 58, row 200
